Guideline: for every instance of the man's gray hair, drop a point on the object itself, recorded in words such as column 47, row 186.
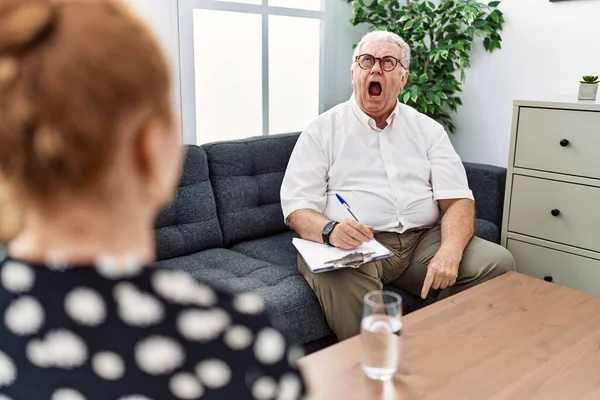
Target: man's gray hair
column 385, row 36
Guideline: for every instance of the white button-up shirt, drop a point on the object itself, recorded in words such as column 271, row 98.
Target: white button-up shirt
column 391, row 178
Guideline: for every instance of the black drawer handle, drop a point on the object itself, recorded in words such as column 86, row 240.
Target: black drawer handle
column 555, row 212
column 548, row 278
column 564, row 143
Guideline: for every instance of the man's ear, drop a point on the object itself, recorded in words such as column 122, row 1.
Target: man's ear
column 405, row 77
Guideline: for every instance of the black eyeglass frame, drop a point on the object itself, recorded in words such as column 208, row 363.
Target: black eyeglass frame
column 379, row 59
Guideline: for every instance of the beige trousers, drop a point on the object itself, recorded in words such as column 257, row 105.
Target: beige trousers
column 341, row 292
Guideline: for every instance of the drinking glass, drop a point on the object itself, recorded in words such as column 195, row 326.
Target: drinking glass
column 381, row 328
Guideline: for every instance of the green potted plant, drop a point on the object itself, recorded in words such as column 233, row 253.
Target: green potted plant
column 588, row 87
column 441, row 39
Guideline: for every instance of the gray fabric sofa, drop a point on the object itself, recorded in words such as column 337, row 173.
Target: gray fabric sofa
column 225, row 227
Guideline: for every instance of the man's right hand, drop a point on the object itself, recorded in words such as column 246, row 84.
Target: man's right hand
column 350, row 234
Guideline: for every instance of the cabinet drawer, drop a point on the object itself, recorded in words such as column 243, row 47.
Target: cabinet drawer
column 540, row 133
column 565, row 269
column 534, row 200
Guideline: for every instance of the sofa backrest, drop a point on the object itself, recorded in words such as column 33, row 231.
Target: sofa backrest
column 246, row 176
column 189, row 224
column 488, row 185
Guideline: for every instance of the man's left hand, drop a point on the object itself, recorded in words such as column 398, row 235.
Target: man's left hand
column 442, row 271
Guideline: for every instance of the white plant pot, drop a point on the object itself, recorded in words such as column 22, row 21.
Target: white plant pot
column 587, row 91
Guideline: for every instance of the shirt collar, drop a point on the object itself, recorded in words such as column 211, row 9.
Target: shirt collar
column 366, row 120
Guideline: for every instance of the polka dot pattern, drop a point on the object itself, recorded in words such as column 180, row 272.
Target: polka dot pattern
column 201, row 325
column 290, row 387
column 109, row 366
column 17, row 277
column 269, row 346
column 249, row 303
column 85, row 306
column 213, row 373
column 142, row 333
column 159, row 355
column 8, row 371
column 24, row 316
column 180, row 288
column 113, row 268
column 238, row 337
column 186, row 386
column 137, row 308
column 60, row 348
column 67, row 394
column 264, row 388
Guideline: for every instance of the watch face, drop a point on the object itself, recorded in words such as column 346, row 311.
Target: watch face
column 328, row 228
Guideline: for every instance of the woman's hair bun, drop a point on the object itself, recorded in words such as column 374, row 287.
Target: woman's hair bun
column 23, row 23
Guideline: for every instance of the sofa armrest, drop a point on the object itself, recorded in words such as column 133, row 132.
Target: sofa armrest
column 488, row 184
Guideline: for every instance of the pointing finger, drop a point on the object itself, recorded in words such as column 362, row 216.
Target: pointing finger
column 427, row 283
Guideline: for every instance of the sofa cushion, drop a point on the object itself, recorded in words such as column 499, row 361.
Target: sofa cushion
column 246, row 177
column 290, row 302
column 488, row 184
column 277, row 249
column 189, row 224
column 487, row 230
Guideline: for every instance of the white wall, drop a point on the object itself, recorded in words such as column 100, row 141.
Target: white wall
column 546, row 49
column 346, row 36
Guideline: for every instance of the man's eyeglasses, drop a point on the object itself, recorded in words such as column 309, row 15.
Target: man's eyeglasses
column 387, row 63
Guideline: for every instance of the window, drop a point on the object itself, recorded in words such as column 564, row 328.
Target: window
column 250, row 67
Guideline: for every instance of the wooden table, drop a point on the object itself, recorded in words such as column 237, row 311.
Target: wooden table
column 514, row 337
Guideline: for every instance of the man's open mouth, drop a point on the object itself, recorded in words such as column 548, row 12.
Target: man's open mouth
column 375, row 89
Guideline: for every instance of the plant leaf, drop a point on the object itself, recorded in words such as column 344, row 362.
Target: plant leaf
column 493, row 3
column 479, row 23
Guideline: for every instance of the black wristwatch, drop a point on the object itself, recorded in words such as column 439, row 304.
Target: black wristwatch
column 327, row 232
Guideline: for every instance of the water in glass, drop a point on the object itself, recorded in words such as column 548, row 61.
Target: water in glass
column 381, row 329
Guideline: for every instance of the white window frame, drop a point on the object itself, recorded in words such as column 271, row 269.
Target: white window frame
column 185, row 10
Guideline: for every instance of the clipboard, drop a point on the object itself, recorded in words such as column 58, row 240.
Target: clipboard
column 322, row 258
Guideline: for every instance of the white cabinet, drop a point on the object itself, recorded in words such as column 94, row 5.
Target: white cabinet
column 552, row 207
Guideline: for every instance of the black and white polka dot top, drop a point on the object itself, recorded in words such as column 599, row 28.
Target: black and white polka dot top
column 117, row 331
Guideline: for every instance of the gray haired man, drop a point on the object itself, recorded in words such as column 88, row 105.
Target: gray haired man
column 398, row 170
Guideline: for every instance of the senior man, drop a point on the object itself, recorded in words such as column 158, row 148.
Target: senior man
column 399, row 172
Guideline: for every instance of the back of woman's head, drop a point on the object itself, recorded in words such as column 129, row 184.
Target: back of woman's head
column 73, row 74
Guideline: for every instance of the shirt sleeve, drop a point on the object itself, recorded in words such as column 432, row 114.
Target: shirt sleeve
column 305, row 181
column 448, row 175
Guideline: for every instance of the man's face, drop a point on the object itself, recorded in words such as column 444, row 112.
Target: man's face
column 376, row 90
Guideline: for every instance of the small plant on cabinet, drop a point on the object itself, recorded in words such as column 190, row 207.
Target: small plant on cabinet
column 588, row 87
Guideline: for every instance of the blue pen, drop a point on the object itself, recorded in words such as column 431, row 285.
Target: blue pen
column 345, row 204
